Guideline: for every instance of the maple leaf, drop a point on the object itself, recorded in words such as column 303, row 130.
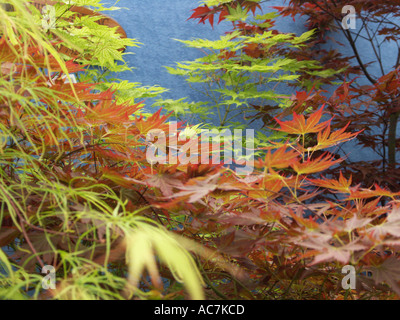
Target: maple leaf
column 198, row 188
column 108, row 111
column 253, row 50
column 299, row 104
column 251, row 217
column 156, row 121
column 165, row 182
column 267, row 188
column 355, row 223
column 222, row 15
column 238, row 243
column 308, row 223
column 317, row 165
column 371, row 208
column 368, row 193
column 342, row 185
column 389, row 272
column 203, row 13
column 300, row 126
column 252, row 6
column 325, row 252
column 280, row 159
column 390, row 226
column 326, row 139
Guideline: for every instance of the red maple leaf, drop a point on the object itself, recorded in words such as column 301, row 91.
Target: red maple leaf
column 203, row 13
column 300, row 126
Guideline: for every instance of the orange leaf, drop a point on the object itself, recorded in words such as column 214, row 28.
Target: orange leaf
column 300, row 126
column 280, row 159
column 314, row 166
column 342, row 185
column 326, row 139
column 368, row 193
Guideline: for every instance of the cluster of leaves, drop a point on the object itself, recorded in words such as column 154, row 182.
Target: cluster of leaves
column 63, row 147
column 370, row 96
column 368, row 92
column 278, row 224
column 261, row 219
column 246, row 69
column 93, row 39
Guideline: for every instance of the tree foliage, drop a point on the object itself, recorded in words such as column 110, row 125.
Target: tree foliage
column 60, row 144
column 368, row 92
column 77, row 191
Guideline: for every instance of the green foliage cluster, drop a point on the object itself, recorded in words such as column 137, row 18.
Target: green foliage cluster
column 56, row 205
column 96, row 45
column 241, row 71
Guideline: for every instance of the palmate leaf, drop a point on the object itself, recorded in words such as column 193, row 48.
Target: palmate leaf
column 267, row 188
column 280, row 159
column 197, row 188
column 237, row 14
column 165, row 182
column 154, row 122
column 327, row 139
column 390, row 226
column 388, row 272
column 356, row 223
column 223, row 7
column 325, row 252
column 318, row 165
column 110, row 111
column 203, row 13
column 342, row 185
column 83, row 34
column 369, row 193
column 300, row 126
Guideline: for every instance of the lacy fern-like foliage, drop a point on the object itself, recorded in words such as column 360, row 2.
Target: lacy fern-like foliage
column 59, row 141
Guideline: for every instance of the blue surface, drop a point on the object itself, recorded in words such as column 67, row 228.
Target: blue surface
column 155, row 23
